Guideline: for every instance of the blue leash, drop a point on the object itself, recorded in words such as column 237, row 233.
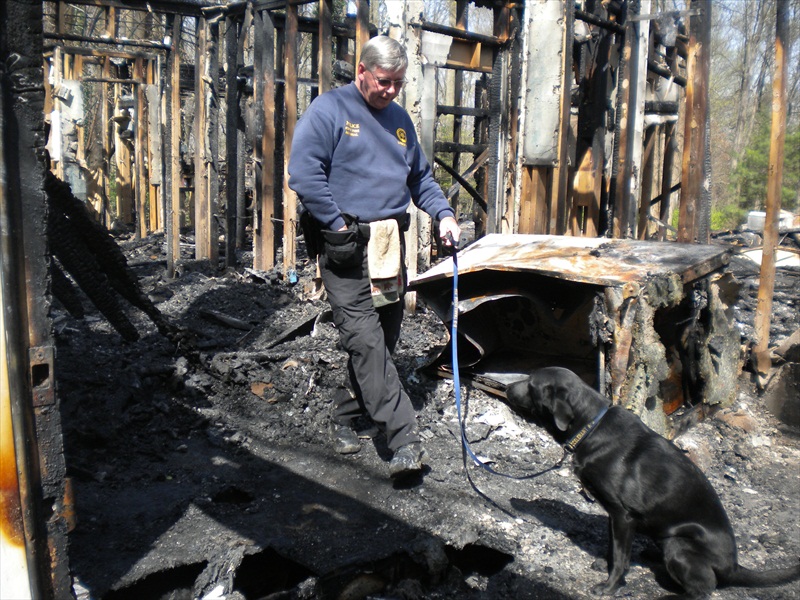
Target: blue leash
column 466, row 450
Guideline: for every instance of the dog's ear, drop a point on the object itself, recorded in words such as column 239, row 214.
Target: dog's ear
column 562, row 410
column 545, row 394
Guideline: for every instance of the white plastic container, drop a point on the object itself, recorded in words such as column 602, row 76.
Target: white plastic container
column 755, row 220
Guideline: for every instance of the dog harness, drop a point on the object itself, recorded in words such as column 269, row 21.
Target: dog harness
column 585, row 431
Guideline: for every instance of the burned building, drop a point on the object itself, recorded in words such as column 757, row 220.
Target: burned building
column 565, row 135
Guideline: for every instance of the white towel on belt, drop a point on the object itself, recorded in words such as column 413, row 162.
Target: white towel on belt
column 384, row 260
column 383, row 249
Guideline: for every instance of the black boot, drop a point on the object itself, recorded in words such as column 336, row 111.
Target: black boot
column 407, row 460
column 345, row 440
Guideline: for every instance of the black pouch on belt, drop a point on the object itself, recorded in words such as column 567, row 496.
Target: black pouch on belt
column 344, row 249
column 312, row 234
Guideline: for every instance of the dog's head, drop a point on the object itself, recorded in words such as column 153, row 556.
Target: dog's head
column 555, row 399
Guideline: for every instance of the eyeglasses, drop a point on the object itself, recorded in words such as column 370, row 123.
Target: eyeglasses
column 387, row 83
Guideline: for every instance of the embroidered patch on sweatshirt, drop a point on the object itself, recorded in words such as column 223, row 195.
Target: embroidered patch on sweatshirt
column 351, row 129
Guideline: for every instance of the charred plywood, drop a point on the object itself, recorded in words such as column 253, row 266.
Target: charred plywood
column 646, row 322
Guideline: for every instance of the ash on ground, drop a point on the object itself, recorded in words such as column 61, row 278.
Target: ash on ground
column 202, row 468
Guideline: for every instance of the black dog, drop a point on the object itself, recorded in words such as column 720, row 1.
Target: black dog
column 644, row 482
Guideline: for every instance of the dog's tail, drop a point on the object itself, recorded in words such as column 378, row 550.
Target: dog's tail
column 744, row 577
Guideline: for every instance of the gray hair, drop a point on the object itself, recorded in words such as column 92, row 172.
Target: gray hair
column 383, row 52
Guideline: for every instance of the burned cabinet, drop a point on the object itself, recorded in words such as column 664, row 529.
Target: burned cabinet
column 648, row 323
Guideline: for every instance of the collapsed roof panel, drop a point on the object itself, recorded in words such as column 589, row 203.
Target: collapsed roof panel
column 599, row 261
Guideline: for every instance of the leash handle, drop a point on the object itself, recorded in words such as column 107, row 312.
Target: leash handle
column 452, row 249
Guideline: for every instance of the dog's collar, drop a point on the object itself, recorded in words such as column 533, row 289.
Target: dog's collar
column 584, row 431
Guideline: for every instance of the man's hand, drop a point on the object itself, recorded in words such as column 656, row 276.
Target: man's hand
column 449, row 225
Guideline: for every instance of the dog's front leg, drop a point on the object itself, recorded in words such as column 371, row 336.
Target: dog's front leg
column 621, row 530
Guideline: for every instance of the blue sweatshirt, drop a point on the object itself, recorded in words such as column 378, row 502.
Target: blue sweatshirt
column 348, row 157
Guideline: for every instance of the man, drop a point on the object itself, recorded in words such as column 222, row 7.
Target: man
column 355, row 165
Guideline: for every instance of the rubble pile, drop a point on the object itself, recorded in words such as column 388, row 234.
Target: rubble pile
column 201, row 465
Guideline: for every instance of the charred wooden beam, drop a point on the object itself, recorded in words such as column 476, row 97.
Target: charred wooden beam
column 458, row 90
column 232, row 145
column 656, row 107
column 774, row 184
column 670, row 149
column 533, row 200
column 362, row 27
column 172, row 157
column 69, row 37
column 461, row 111
column 140, row 151
column 101, row 197
column 220, row 317
column 241, row 139
column 460, row 34
column 212, row 113
column 325, row 50
column 111, row 80
column 153, row 152
column 476, row 165
column 232, row 9
column 264, row 142
column 122, row 158
column 648, row 167
column 665, row 194
column 560, row 182
column 343, row 29
column 464, row 183
column 206, row 246
column 665, row 72
column 695, row 131
column 612, row 26
column 191, row 8
column 34, row 544
column 630, row 106
column 453, row 147
column 290, row 121
column 262, row 137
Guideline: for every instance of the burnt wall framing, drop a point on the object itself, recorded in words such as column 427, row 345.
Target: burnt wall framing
column 139, row 160
column 573, row 116
column 601, row 112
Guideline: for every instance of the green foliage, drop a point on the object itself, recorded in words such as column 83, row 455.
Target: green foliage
column 751, row 174
column 729, row 216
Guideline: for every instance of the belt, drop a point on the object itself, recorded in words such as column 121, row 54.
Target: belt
column 403, row 223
